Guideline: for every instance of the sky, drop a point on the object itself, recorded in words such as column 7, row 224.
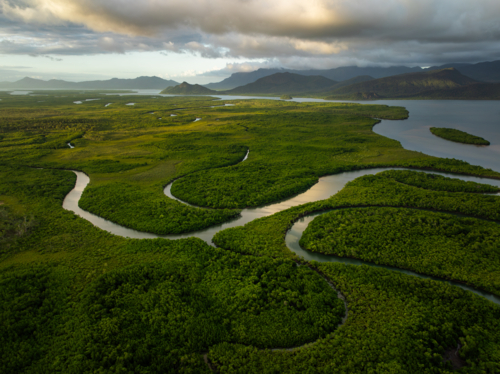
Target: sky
column 202, row 41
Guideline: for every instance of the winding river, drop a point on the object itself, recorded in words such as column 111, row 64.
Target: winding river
column 325, row 188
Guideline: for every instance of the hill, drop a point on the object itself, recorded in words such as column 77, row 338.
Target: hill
column 241, row 79
column 476, row 91
column 483, row 71
column 436, row 83
column 143, row 82
column 336, row 74
column 283, row 83
column 115, row 83
column 188, row 89
column 31, row 83
column 277, row 84
column 359, row 79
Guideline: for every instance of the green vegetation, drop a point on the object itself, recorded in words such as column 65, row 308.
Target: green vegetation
column 76, row 299
column 13, row 226
column 285, row 162
column 158, row 215
column 438, row 182
column 396, row 324
column 130, row 153
column 286, row 97
column 265, row 236
column 458, row 136
column 463, row 249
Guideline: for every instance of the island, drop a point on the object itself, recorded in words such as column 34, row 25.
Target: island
column 458, row 136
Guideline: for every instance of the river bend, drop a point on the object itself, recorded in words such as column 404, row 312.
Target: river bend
column 323, row 189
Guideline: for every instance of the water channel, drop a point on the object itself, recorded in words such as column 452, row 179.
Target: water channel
column 412, row 133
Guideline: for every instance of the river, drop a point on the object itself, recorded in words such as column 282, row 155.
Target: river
column 477, row 117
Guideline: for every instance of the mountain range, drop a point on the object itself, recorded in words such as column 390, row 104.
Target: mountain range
column 343, row 82
column 405, row 85
column 446, row 83
column 483, row 71
column 275, row 85
column 112, row 84
column 337, row 74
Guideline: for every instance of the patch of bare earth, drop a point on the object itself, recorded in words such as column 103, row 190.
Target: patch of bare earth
column 451, row 354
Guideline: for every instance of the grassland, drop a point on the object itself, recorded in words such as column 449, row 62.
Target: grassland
column 76, row 299
column 130, row 154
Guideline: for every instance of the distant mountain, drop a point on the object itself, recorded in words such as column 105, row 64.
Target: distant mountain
column 483, row 71
column 438, row 84
column 283, row 83
column 475, row 91
column 348, row 72
column 188, row 89
column 337, row 74
column 30, row 83
column 241, row 79
column 144, row 83
column 359, row 79
column 277, row 84
column 111, row 84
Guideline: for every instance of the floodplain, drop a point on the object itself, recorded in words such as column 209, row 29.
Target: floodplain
column 78, row 299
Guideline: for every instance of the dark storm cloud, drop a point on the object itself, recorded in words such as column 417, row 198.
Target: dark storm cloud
column 298, row 31
column 445, row 20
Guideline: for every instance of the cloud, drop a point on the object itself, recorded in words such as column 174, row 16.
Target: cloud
column 45, row 56
column 194, row 47
column 242, row 67
column 14, row 67
column 319, row 32
column 444, row 20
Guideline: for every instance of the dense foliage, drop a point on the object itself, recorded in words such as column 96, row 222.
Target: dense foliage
column 284, row 162
column 463, row 249
column 12, row 227
column 150, row 317
column 438, row 182
column 104, row 303
column 119, row 203
column 132, row 152
column 33, row 304
column 458, row 136
column 396, row 324
column 76, row 299
column 265, row 236
column 166, row 311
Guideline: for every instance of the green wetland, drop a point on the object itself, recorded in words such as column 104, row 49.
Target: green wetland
column 458, row 136
column 112, row 292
